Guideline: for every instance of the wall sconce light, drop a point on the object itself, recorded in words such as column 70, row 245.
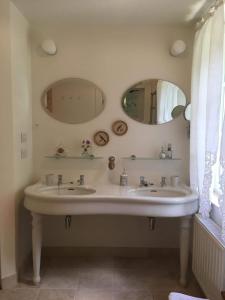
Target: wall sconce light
column 178, row 48
column 49, row 47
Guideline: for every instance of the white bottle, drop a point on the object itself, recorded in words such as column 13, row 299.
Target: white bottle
column 124, row 178
column 169, row 152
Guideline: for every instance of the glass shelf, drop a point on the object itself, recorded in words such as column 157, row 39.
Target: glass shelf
column 151, row 158
column 73, row 157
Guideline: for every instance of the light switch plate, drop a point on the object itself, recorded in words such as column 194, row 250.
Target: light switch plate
column 23, row 137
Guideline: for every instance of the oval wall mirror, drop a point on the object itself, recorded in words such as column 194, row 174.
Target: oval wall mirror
column 73, row 100
column 154, row 101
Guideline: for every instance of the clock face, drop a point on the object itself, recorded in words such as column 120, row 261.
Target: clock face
column 119, row 127
column 101, row 138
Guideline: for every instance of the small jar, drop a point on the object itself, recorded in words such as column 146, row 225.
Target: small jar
column 49, row 179
column 175, row 181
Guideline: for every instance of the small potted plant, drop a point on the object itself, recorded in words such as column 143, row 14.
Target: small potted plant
column 86, row 148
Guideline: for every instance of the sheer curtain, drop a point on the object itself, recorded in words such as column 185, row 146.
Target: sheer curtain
column 207, row 80
column 222, row 181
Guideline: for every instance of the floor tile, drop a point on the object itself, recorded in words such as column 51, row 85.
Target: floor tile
column 160, row 296
column 96, row 279
column 61, row 278
column 132, row 295
column 145, row 263
column 89, row 294
column 19, row 294
column 130, row 280
column 95, row 262
column 56, row 294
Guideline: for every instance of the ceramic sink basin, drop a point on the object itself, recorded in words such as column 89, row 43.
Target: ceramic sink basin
column 66, row 191
column 158, row 192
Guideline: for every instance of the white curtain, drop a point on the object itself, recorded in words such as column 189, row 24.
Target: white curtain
column 168, row 97
column 207, row 79
column 222, row 180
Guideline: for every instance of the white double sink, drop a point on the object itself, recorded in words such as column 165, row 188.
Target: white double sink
column 110, row 200
column 81, row 191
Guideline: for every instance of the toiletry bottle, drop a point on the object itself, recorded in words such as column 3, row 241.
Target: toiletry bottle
column 169, row 152
column 162, row 153
column 124, row 178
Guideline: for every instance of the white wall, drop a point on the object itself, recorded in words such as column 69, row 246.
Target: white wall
column 22, row 124
column 15, row 116
column 114, row 59
column 7, row 208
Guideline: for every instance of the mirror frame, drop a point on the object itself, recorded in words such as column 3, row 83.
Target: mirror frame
column 64, row 79
column 188, row 105
column 133, row 85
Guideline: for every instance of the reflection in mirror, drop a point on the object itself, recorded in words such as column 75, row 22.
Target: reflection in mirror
column 154, row 101
column 187, row 112
column 73, row 100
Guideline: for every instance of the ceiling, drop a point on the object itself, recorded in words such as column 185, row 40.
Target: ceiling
column 102, row 12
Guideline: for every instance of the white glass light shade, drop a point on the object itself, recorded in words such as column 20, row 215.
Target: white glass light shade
column 49, row 47
column 178, row 48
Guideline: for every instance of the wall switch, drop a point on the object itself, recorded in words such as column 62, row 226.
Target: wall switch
column 23, row 137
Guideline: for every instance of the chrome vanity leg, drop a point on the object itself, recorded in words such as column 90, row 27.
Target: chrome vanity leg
column 185, row 228
column 36, row 246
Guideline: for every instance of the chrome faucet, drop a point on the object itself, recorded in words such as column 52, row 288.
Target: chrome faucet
column 81, row 180
column 60, row 181
column 163, row 181
column 143, row 182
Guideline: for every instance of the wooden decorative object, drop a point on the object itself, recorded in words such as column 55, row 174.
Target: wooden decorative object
column 111, row 164
column 119, row 127
column 101, row 138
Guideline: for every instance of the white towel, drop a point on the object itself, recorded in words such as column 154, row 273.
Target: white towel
column 178, row 296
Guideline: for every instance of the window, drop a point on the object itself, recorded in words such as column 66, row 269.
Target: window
column 217, row 168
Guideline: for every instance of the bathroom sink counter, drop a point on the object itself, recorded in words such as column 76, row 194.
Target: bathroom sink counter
column 111, row 199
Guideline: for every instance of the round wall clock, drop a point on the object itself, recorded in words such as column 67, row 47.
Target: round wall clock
column 119, row 127
column 101, row 138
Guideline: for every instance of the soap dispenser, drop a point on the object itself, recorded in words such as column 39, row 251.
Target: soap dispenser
column 169, row 152
column 124, row 178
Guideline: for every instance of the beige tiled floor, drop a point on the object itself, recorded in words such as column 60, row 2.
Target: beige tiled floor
column 104, row 279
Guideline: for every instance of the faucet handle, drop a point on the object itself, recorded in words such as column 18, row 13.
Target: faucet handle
column 163, row 181
column 81, row 180
column 143, row 182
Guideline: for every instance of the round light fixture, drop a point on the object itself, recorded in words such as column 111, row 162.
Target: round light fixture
column 178, row 48
column 49, row 47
